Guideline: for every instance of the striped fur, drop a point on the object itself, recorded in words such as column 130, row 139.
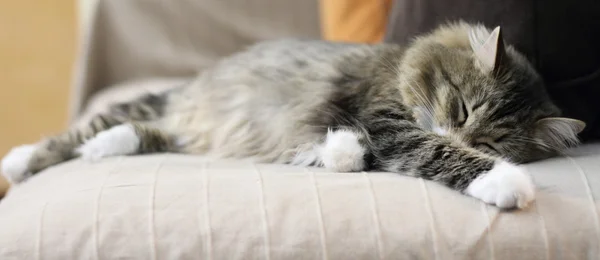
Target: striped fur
column 63, row 147
column 433, row 110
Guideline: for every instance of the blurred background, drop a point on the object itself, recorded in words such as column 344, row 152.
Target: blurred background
column 37, row 50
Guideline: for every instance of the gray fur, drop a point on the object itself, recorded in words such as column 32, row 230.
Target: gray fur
column 271, row 101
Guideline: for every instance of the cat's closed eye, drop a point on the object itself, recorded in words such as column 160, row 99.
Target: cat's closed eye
column 463, row 113
column 490, row 143
column 486, row 145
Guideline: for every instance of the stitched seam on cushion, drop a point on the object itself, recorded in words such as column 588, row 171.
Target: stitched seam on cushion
column 543, row 224
column 38, row 249
column 95, row 229
column 154, row 250
column 588, row 190
column 322, row 236
column 263, row 207
column 490, row 240
column 544, row 229
column 38, row 246
column 434, row 233
column 207, row 223
column 375, row 213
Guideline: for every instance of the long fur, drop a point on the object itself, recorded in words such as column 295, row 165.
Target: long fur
column 428, row 110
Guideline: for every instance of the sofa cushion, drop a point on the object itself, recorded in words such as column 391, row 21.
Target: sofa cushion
column 187, row 207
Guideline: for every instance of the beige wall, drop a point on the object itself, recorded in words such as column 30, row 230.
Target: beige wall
column 37, row 47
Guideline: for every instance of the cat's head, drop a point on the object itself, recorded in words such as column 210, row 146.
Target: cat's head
column 464, row 82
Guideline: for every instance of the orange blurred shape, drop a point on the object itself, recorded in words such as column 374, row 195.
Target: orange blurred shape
column 361, row 21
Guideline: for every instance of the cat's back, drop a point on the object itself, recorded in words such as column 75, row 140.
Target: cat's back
column 283, row 59
column 279, row 73
column 292, row 49
column 260, row 102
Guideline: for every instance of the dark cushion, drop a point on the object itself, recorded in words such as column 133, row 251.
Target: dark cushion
column 561, row 38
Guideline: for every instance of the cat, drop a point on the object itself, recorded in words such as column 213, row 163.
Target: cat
column 457, row 106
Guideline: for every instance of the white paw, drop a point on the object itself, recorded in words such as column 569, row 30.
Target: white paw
column 119, row 140
column 506, row 186
column 15, row 163
column 342, row 152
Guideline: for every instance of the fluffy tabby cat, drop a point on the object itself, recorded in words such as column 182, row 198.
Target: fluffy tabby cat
column 457, row 106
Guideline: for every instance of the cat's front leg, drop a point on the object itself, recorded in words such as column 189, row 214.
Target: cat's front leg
column 405, row 148
column 342, row 150
column 506, row 185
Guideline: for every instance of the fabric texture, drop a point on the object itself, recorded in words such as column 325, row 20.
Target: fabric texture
column 354, row 20
column 560, row 37
column 189, row 207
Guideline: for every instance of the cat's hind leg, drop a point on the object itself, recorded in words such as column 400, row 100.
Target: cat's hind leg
column 126, row 139
column 26, row 160
column 23, row 161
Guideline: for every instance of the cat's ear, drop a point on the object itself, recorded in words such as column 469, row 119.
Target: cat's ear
column 559, row 132
column 488, row 47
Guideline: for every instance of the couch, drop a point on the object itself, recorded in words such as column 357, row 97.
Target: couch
column 172, row 206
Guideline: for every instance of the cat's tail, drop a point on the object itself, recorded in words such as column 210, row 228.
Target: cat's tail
column 123, row 130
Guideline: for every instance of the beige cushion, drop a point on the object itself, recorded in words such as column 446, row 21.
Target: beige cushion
column 187, row 207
